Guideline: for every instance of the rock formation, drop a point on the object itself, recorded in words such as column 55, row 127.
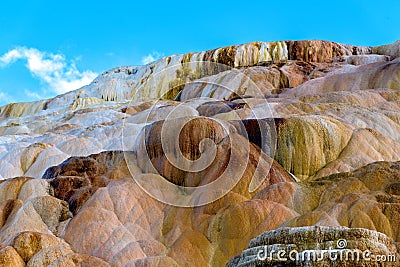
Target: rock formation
column 321, row 245
column 203, row 159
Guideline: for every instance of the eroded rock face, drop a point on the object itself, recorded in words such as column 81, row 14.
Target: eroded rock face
column 27, row 244
column 10, row 258
column 231, row 148
column 302, row 133
column 363, row 198
column 151, row 81
column 76, row 179
column 32, row 220
column 318, row 246
column 369, row 76
column 145, row 227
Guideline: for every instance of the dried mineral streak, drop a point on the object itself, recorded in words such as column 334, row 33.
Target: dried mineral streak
column 165, row 77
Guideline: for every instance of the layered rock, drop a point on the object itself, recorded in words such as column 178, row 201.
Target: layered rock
column 32, row 221
column 76, row 179
column 159, row 79
column 182, row 163
column 136, row 226
column 370, row 76
column 319, row 246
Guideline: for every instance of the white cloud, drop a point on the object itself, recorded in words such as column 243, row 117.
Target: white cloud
column 151, row 57
column 54, row 70
column 33, row 95
column 5, row 98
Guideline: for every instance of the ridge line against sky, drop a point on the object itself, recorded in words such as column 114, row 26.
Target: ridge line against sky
column 48, row 48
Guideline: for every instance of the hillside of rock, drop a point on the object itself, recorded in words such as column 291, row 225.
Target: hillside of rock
column 204, row 158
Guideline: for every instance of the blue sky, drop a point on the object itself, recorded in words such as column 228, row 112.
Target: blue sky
column 50, row 47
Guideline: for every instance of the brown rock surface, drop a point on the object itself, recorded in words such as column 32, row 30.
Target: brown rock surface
column 266, row 78
column 76, row 179
column 370, row 76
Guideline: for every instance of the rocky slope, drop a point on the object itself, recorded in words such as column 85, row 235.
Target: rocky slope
column 183, row 161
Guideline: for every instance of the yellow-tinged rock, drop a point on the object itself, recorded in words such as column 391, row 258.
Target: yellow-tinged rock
column 27, row 244
column 48, row 255
column 305, row 144
column 10, row 188
column 10, row 258
column 31, row 153
column 78, row 260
